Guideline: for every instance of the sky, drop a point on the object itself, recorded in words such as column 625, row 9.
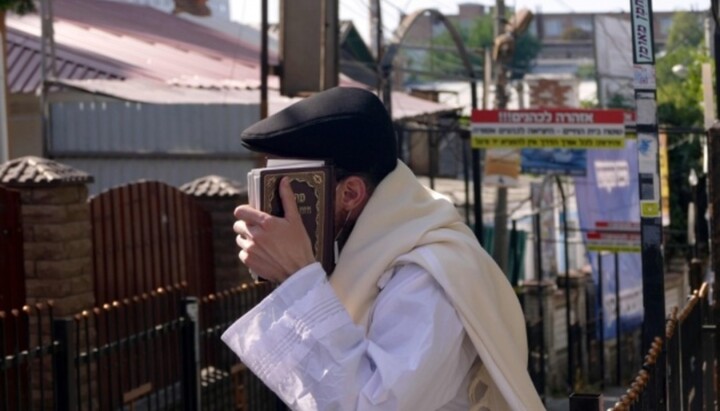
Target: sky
column 248, row 11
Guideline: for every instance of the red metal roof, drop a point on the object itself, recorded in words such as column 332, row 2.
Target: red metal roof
column 24, row 63
column 162, row 58
column 103, row 39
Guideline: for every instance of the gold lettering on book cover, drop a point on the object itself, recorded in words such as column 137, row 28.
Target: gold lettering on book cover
column 312, row 180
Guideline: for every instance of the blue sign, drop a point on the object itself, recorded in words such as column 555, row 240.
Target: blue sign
column 609, row 192
column 553, row 161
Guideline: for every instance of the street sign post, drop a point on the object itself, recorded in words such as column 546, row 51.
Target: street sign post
column 653, row 273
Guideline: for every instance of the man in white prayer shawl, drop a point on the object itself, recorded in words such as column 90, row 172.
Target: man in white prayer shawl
column 415, row 316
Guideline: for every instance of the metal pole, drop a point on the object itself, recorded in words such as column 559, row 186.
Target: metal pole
column 515, row 273
column 4, row 137
column 190, row 349
column 477, row 174
column 48, row 71
column 641, row 15
column 618, row 341
column 376, row 33
column 476, row 154
column 570, row 339
column 713, row 157
column 541, row 297
column 376, row 29
column 431, row 158
column 500, row 220
column 477, row 195
column 487, row 78
column 714, row 199
column 64, row 370
column 598, row 78
column 466, row 174
column 264, row 65
column 601, row 320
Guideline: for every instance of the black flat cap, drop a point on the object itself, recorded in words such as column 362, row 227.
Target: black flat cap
column 349, row 126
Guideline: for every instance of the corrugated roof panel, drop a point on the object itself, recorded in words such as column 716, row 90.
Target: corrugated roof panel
column 112, row 127
column 24, row 61
column 19, row 67
column 31, row 71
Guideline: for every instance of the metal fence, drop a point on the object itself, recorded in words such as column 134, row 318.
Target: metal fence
column 26, row 348
column 677, row 371
column 156, row 351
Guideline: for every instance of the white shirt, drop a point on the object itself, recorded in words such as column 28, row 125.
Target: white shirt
column 414, row 354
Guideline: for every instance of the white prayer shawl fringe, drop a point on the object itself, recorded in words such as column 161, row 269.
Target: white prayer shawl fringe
column 405, row 219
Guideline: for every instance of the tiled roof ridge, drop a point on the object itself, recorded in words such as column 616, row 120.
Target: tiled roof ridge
column 213, row 186
column 38, row 171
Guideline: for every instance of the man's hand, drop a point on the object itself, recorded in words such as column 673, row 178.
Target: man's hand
column 273, row 247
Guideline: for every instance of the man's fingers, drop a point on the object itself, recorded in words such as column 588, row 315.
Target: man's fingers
column 288, row 199
column 249, row 214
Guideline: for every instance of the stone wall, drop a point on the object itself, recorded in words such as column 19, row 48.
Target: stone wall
column 58, row 247
column 56, row 232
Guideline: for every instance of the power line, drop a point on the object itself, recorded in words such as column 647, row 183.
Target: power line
column 363, row 13
column 562, row 3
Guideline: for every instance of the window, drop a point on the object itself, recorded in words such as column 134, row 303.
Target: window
column 664, row 22
column 553, row 27
column 583, row 23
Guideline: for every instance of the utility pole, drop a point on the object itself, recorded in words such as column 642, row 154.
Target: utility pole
column 500, row 249
column 47, row 70
column 264, row 65
column 641, row 15
column 376, row 40
column 376, row 31
column 713, row 143
column 4, row 138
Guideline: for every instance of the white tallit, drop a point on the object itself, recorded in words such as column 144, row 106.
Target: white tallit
column 404, row 222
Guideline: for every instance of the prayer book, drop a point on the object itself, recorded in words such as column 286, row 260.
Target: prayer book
column 313, row 184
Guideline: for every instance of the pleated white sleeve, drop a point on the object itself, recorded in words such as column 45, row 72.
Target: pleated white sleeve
column 302, row 343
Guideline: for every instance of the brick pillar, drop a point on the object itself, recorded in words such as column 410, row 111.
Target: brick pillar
column 57, row 247
column 219, row 196
column 56, row 232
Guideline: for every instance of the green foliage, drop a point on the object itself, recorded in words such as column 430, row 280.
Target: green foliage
column 588, row 103
column 586, row 72
column 617, row 100
column 680, row 105
column 527, row 48
column 680, row 98
column 18, row 6
column 576, row 33
column 687, row 30
column 476, row 38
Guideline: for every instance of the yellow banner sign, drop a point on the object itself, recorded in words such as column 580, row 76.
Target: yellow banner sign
column 614, row 248
column 547, row 142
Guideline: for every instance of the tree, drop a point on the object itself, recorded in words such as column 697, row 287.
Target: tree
column 442, row 57
column 18, row 6
column 680, row 97
column 679, row 100
column 576, row 33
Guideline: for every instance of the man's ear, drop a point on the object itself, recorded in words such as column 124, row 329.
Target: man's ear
column 352, row 193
